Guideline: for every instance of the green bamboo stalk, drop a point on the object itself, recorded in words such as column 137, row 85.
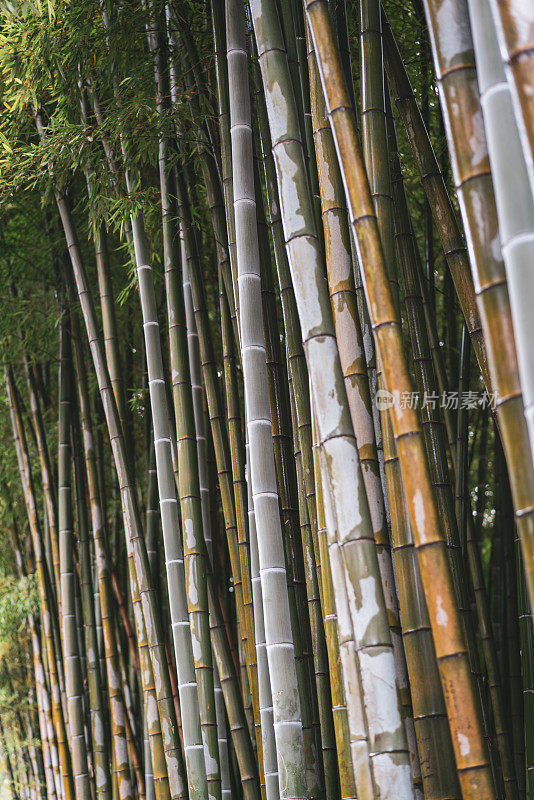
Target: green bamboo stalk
column 263, row 724
column 512, row 673
column 69, row 634
column 47, row 611
column 194, row 548
column 374, row 136
column 149, row 638
column 46, row 727
column 9, row 766
column 115, row 697
column 191, row 514
column 418, row 301
column 47, row 475
column 183, row 645
column 242, row 742
column 460, row 696
column 152, row 536
column 287, row 718
column 335, row 429
column 200, row 433
column 184, row 48
column 45, row 719
column 234, row 523
column 221, row 71
column 102, row 775
column 35, row 748
column 237, row 455
column 461, row 457
column 109, row 321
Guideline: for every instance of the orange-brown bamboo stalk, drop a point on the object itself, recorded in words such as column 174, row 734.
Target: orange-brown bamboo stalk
column 451, row 652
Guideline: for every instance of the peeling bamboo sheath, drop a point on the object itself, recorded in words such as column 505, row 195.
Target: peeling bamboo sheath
column 460, row 698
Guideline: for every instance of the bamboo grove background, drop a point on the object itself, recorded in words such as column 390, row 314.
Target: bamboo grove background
column 267, row 405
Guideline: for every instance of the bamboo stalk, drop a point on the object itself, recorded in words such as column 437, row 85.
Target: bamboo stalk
column 183, row 644
column 343, row 476
column 515, row 212
column 115, row 697
column 351, row 353
column 102, row 777
column 234, row 524
column 194, row 547
column 225, row 681
column 444, row 217
column 44, row 585
column 515, row 29
column 297, row 370
column 352, row 735
column 467, row 735
column 287, row 718
column 71, row 654
column 410, row 275
column 145, row 611
column 287, row 488
column 320, row 653
column 46, row 474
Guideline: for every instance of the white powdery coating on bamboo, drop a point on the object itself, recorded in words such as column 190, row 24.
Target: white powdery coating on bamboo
column 380, row 692
column 394, row 780
column 463, row 744
column 363, row 615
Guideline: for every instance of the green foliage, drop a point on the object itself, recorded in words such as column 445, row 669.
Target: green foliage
column 18, row 600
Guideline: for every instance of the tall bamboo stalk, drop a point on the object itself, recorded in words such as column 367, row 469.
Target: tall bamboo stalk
column 351, row 352
column 102, row 775
column 515, row 30
column 46, row 473
column 444, row 217
column 194, row 750
column 234, row 522
column 71, row 654
column 287, row 489
column 515, row 212
column 47, row 610
column 343, row 477
column 278, row 634
column 147, row 621
column 194, row 546
column 464, row 719
column 116, row 700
